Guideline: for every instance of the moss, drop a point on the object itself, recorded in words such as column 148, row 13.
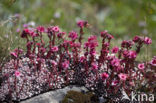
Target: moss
column 78, row 97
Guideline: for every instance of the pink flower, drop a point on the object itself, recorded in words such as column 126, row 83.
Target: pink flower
column 147, row 40
column 115, row 62
column 105, row 51
column 109, row 36
column 13, row 54
column 29, row 44
column 106, row 44
column 54, row 49
column 17, row 73
column 61, row 34
column 115, row 50
column 82, row 23
column 141, row 66
column 103, row 33
column 93, row 52
column 65, row 64
column 94, row 66
column 132, row 54
column 25, row 32
column 73, row 35
column 125, row 53
column 54, row 63
column 137, row 39
column 18, row 51
column 92, row 38
column 55, row 29
column 72, row 44
column 122, row 76
column 153, row 62
column 115, row 82
column 129, row 54
column 92, row 42
column 127, row 44
column 33, row 34
column 104, row 75
column 42, row 50
column 86, row 44
column 40, row 28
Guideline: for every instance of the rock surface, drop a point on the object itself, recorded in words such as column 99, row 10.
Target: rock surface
column 54, row 96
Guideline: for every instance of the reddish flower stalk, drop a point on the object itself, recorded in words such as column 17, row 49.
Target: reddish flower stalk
column 53, row 41
column 34, row 42
column 81, row 24
column 81, row 35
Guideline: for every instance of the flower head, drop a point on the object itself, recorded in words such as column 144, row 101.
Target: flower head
column 73, row 35
column 54, row 63
column 93, row 52
column 82, row 23
column 103, row 33
column 147, row 40
column 54, row 49
column 127, row 44
column 115, row 50
column 115, row 62
column 109, row 36
column 42, row 50
column 65, row 64
column 132, row 54
column 122, row 76
column 17, row 73
column 94, row 66
column 153, row 61
column 40, row 28
column 33, row 34
column 115, row 82
column 137, row 39
column 92, row 38
column 55, row 29
column 18, row 51
column 61, row 34
column 141, row 66
column 13, row 54
column 25, row 32
column 92, row 42
column 104, row 75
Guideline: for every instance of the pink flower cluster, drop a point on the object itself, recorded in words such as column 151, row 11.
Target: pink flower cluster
column 153, row 61
column 73, row 35
column 80, row 62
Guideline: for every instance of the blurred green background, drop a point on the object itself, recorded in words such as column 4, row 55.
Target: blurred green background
column 122, row 18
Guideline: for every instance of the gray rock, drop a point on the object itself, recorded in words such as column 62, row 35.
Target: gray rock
column 54, row 96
